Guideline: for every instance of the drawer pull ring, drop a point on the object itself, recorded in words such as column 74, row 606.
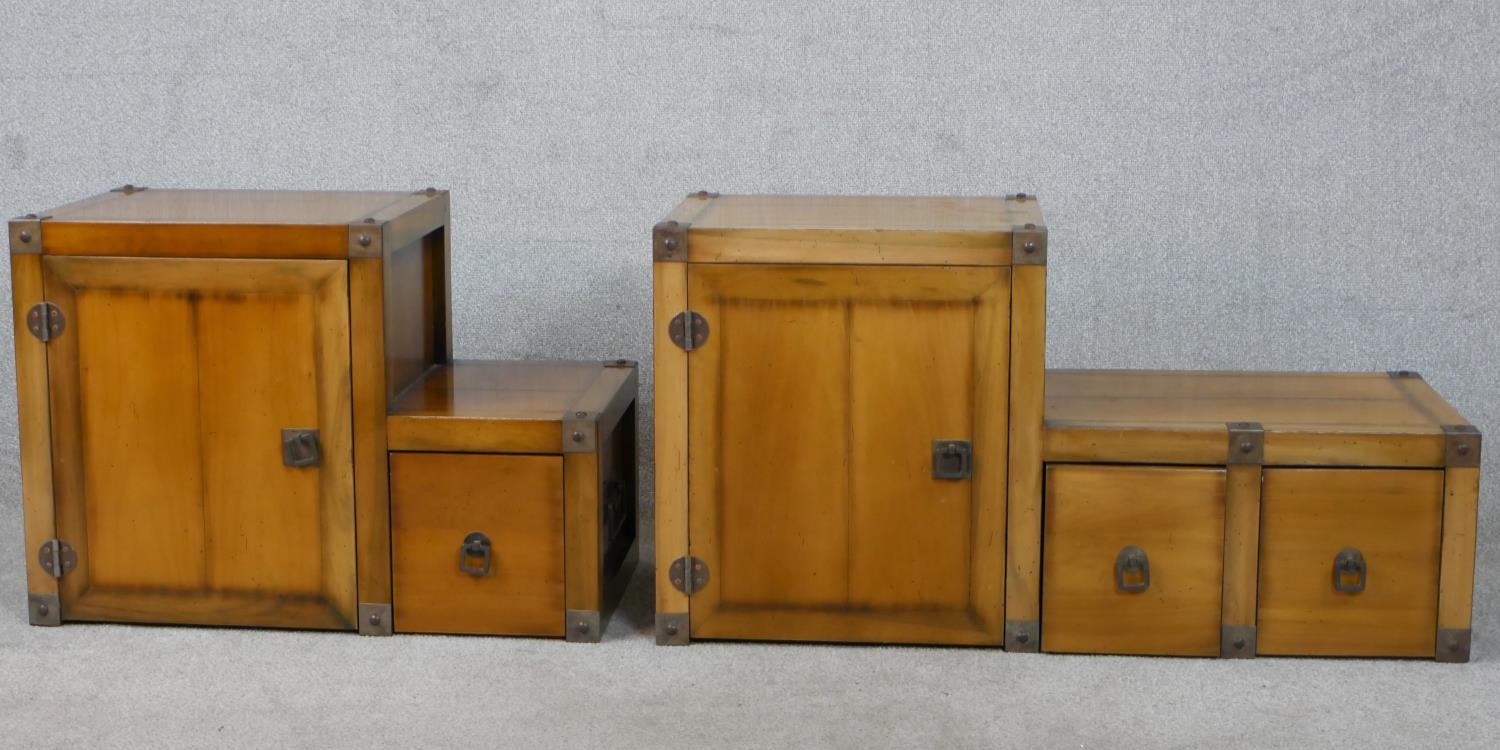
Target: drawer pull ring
column 1132, row 570
column 476, row 544
column 1349, row 562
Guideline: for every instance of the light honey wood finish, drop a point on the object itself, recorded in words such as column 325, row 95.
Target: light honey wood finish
column 162, row 475
column 582, row 553
column 1311, row 419
column 1022, row 552
column 517, row 502
column 670, row 402
column 813, row 408
column 1393, row 517
column 859, row 230
column 233, row 223
column 1176, row 515
column 1456, row 585
column 372, row 477
column 35, row 430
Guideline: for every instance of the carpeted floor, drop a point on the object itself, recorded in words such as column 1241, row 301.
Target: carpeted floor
column 151, row 687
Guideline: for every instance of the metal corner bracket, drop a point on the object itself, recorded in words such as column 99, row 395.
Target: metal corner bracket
column 1404, row 374
column 366, row 239
column 669, row 241
column 26, row 234
column 1023, row 636
column 375, row 619
column 1237, row 642
column 671, row 629
column 1028, row 245
column 582, row 626
column 129, row 189
column 580, row 432
column 1463, row 445
column 44, row 610
column 1247, row 443
column 626, row 363
column 1453, row 644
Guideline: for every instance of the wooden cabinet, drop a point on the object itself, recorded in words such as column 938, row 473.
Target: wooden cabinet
column 513, row 503
column 1298, row 514
column 203, row 381
column 846, row 391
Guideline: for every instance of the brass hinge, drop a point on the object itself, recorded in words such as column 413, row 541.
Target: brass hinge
column 688, row 574
column 57, row 557
column 45, row 321
column 688, row 330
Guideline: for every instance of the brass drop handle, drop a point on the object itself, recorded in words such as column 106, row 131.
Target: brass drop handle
column 476, row 544
column 300, row 448
column 1349, row 571
column 1132, row 570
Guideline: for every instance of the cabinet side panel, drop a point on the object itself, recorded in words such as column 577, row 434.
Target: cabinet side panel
column 416, row 311
column 35, row 422
column 372, row 509
column 1456, row 585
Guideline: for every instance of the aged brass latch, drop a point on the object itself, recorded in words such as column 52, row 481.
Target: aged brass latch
column 952, row 459
column 300, row 448
column 476, row 545
column 1132, row 570
column 1349, row 571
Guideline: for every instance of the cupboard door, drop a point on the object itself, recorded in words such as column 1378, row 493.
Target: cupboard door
column 477, row 543
column 1349, row 562
column 170, row 390
column 1133, row 560
column 818, row 406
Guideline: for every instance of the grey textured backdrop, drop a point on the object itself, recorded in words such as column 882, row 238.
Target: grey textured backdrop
column 1277, row 185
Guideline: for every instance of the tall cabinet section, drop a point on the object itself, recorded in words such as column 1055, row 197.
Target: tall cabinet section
column 204, row 378
column 847, row 389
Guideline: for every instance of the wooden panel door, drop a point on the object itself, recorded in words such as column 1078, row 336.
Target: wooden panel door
column 1388, row 523
column 512, row 507
column 1133, row 560
column 814, row 406
column 170, row 388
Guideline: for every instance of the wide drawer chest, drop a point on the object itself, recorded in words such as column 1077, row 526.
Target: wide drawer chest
column 1242, row 514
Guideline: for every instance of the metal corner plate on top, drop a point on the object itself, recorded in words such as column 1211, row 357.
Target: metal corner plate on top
column 671, row 629
column 26, row 235
column 669, row 241
column 1404, row 374
column 1028, row 245
column 1247, row 443
column 1463, row 445
column 1023, row 636
column 1453, row 644
column 375, row 619
column 580, row 432
column 366, row 239
column 1237, row 642
column 43, row 610
column 582, row 626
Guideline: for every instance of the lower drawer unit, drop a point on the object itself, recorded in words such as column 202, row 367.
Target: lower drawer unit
column 513, row 499
column 1237, row 514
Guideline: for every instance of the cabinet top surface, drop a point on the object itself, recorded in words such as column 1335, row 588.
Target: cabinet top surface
column 227, row 207
column 1382, row 403
column 865, row 213
column 511, row 390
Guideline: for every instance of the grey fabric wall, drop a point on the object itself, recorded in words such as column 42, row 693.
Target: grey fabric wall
column 1278, row 185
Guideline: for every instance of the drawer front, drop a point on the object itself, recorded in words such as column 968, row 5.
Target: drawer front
column 1133, row 560
column 1382, row 527
column 442, row 580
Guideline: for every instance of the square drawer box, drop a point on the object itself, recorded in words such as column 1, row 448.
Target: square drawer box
column 1238, row 514
column 513, row 498
column 846, row 391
